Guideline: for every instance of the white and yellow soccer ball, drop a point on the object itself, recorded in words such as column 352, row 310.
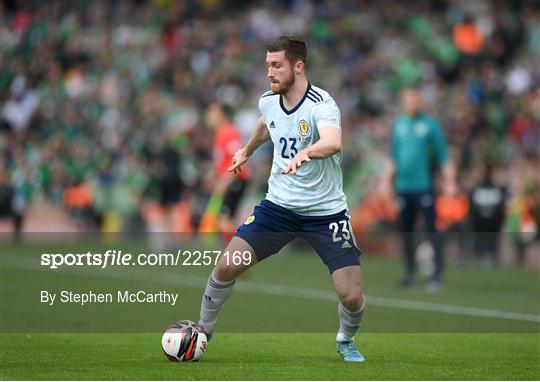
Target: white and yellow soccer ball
column 184, row 341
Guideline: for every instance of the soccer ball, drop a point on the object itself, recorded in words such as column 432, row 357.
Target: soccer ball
column 184, row 341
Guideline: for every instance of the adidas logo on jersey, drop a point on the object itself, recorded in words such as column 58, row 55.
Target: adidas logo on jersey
column 345, row 245
column 272, row 126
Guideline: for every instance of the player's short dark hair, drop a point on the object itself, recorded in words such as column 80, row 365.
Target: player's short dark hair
column 295, row 47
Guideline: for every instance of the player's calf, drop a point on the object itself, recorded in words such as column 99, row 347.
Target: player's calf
column 220, row 284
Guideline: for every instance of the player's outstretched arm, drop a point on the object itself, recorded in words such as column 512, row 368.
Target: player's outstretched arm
column 328, row 145
column 259, row 136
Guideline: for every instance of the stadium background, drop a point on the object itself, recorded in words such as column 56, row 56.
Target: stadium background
column 102, row 101
column 102, row 109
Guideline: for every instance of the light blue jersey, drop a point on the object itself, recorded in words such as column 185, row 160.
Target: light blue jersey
column 317, row 187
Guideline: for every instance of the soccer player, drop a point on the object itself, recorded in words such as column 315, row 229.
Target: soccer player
column 305, row 195
column 417, row 144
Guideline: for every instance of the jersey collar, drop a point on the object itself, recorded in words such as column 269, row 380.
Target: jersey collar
column 289, row 112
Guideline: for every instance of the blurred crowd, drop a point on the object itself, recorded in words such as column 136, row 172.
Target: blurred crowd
column 103, row 102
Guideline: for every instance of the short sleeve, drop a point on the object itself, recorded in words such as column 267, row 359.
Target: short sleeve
column 326, row 114
column 264, row 102
column 261, row 106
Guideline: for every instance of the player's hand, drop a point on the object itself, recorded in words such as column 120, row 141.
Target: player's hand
column 296, row 162
column 239, row 158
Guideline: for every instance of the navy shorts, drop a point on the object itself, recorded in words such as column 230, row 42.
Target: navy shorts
column 271, row 227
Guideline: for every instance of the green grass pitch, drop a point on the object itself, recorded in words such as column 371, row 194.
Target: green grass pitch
column 108, row 342
column 273, row 356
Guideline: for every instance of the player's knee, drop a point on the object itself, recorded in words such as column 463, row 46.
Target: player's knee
column 225, row 272
column 352, row 300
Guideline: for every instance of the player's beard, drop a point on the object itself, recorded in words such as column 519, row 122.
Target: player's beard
column 285, row 85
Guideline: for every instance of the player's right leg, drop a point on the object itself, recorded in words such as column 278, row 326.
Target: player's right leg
column 227, row 269
column 263, row 234
column 220, row 284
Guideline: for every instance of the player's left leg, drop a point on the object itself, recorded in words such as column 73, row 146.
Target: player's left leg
column 348, row 286
column 333, row 240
